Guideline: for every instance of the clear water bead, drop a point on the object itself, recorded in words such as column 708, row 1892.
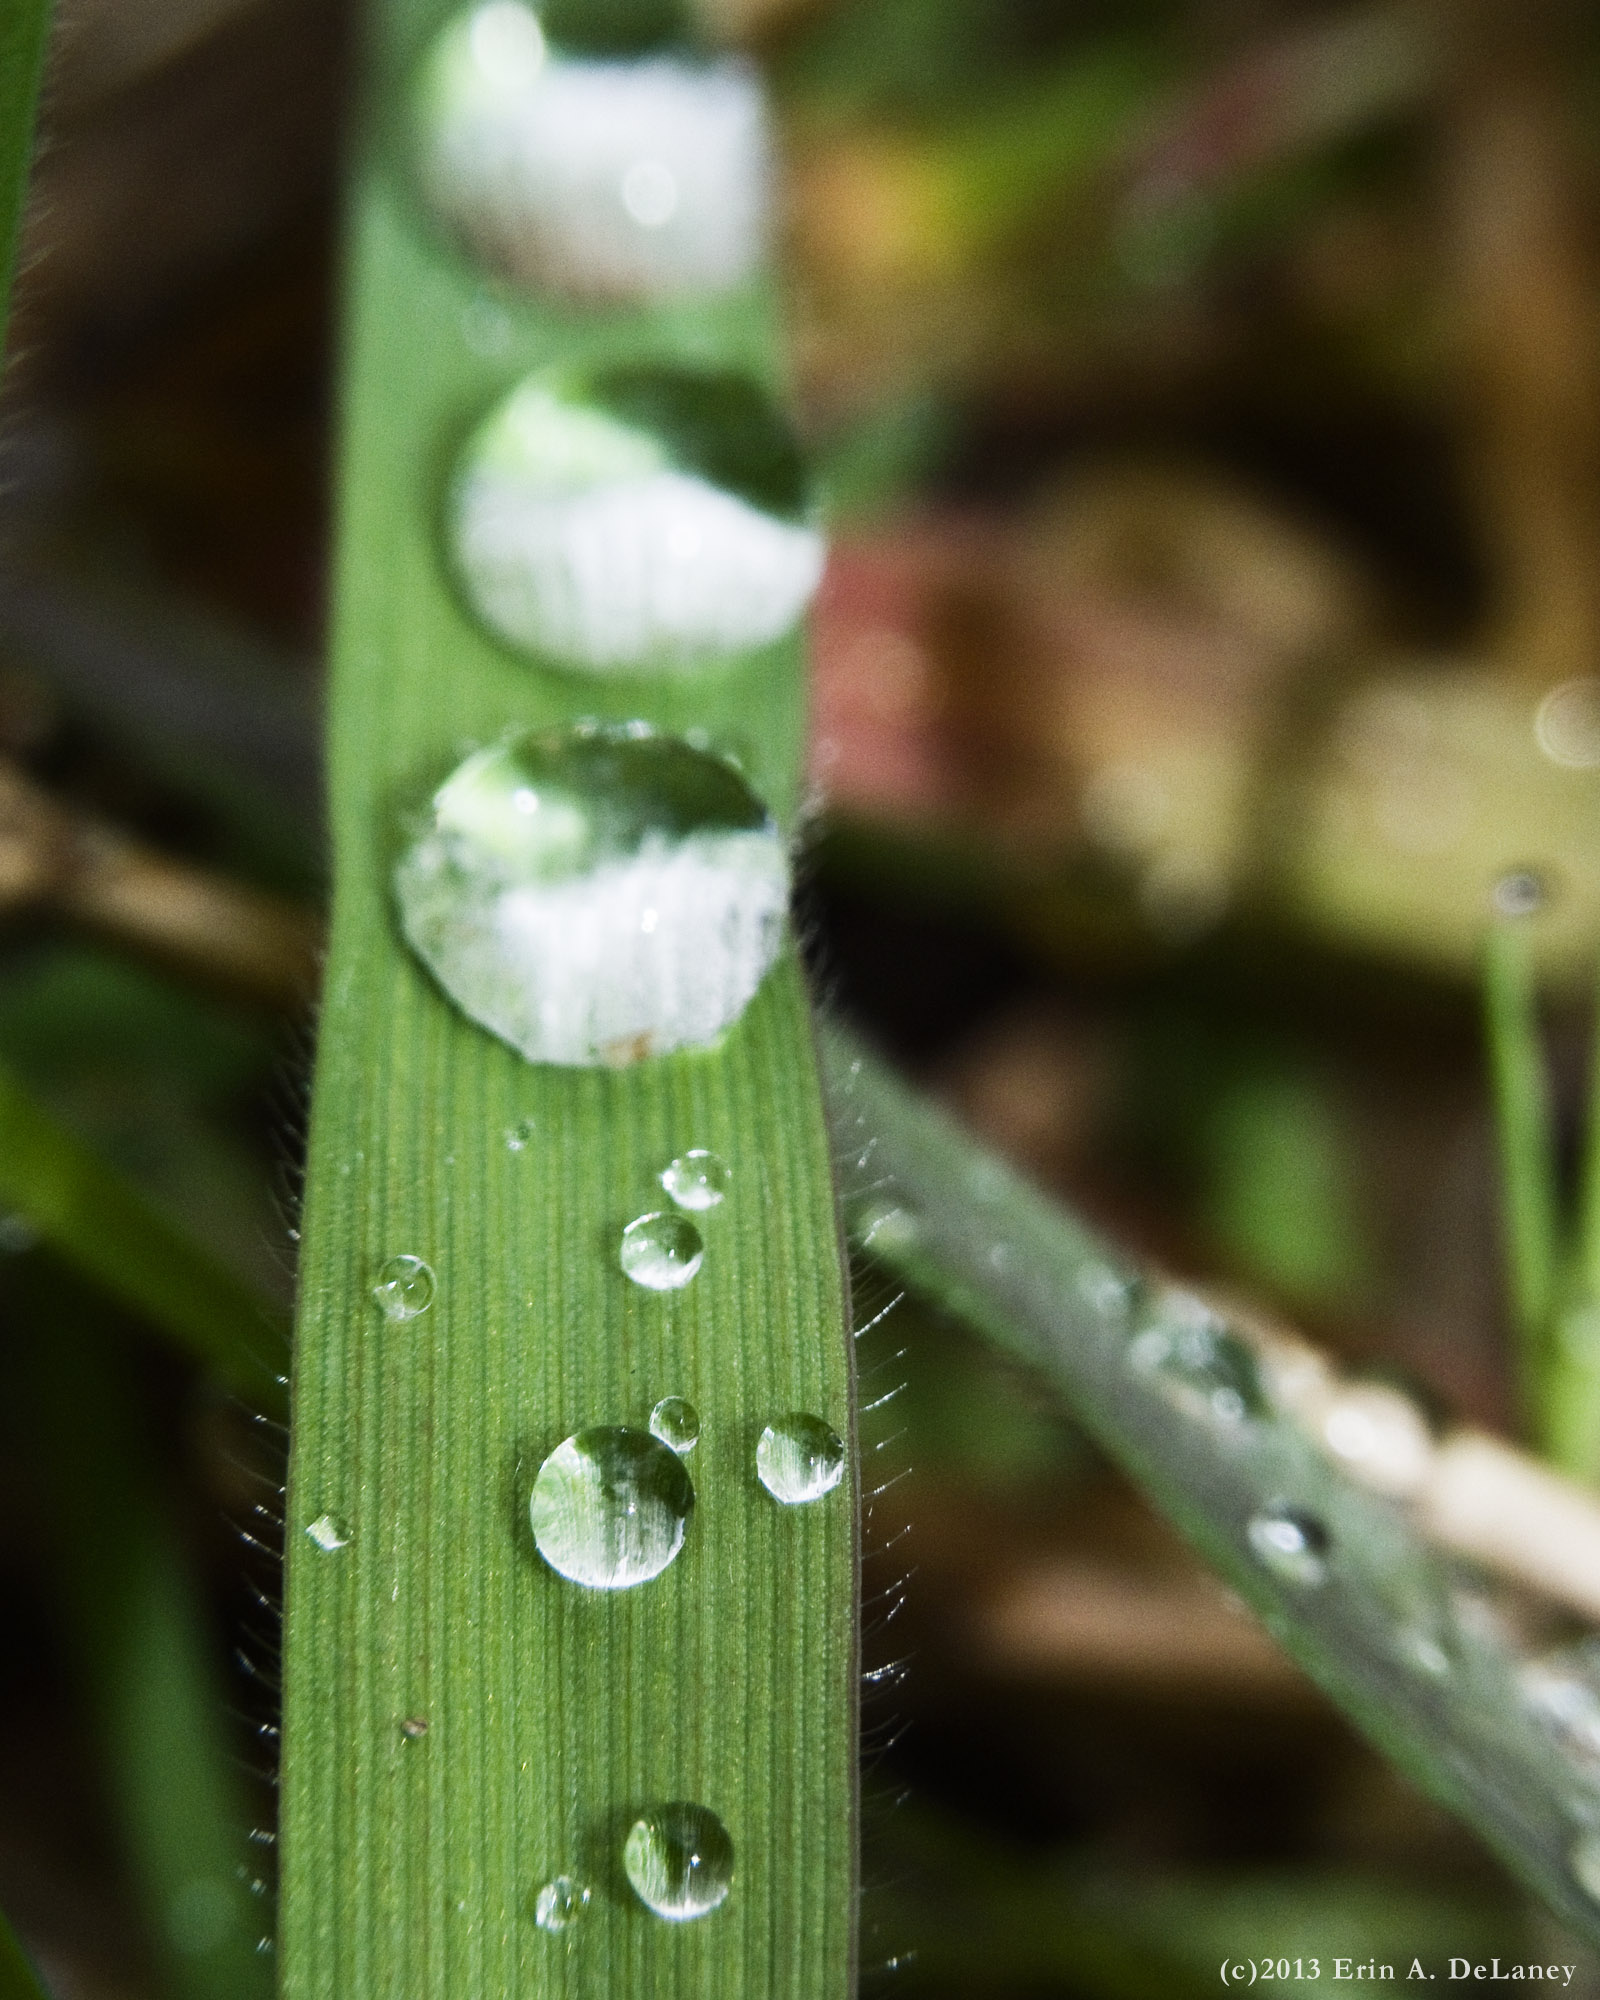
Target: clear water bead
column 329, row 1533
column 799, row 1458
column 634, row 520
column 610, row 1507
column 605, row 180
column 697, row 1179
column 680, row 1861
column 661, row 1251
column 405, row 1288
column 1192, row 1350
column 560, row 1903
column 1291, row 1543
column 677, row 1424
column 527, row 891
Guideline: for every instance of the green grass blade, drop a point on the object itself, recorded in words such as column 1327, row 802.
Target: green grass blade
column 411, row 1863
column 1521, row 1092
column 23, row 26
column 102, row 1224
column 18, row 1980
column 1381, row 1633
column 143, row 1656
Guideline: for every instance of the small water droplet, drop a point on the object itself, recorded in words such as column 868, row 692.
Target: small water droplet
column 799, row 1458
column 1561, row 1691
column 519, row 1136
column 883, row 1226
column 1521, row 892
column 522, row 893
column 661, row 1251
column 1192, row 1349
column 1585, row 1859
column 414, row 1728
column 680, row 1861
column 1422, row 1648
column 676, row 1423
column 329, row 1533
column 560, row 1903
column 634, row 520
column 697, row 1179
column 619, row 179
column 1292, row 1543
column 405, row 1288
column 610, row 1507
column 1108, row 1293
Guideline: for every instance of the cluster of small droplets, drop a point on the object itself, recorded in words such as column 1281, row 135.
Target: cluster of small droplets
column 607, row 895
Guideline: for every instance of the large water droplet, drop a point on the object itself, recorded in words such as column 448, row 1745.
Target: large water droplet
column 405, row 1287
column 1192, row 1350
column 680, row 1861
column 596, row 895
column 605, row 180
column 610, row 1507
column 676, row 1423
column 799, row 1458
column 697, row 1179
column 661, row 1251
column 1291, row 1543
column 560, row 1903
column 329, row 1533
column 634, row 519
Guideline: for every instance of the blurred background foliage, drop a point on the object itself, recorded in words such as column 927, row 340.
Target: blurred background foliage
column 1207, row 396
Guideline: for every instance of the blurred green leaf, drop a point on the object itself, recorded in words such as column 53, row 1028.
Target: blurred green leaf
column 23, row 26
column 18, row 1980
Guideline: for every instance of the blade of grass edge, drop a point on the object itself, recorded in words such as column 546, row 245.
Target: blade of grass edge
column 552, row 1715
column 1382, row 1631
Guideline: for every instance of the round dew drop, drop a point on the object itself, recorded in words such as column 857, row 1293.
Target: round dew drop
column 560, row 1903
column 610, row 1508
column 613, row 180
column 596, row 895
column 697, row 1179
column 677, row 1424
column 661, row 1251
column 405, row 1288
column 799, row 1458
column 1291, row 1543
column 646, row 519
column 680, row 1861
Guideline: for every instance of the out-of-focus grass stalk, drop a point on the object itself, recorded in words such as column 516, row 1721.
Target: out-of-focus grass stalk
column 18, row 1980
column 105, row 1227
column 1521, row 1093
column 1225, row 1433
column 23, row 26
column 139, row 1643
